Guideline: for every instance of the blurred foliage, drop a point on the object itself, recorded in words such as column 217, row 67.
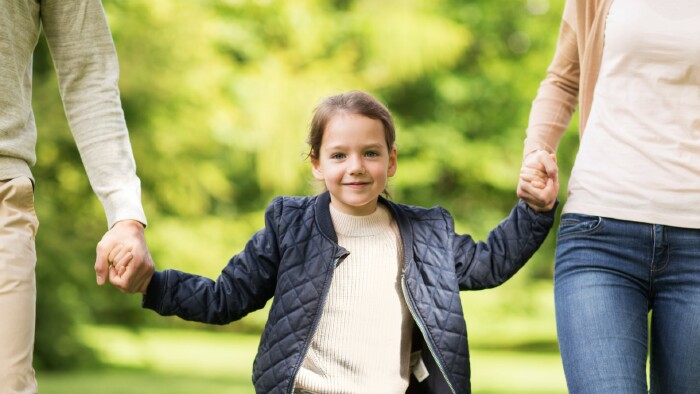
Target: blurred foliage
column 218, row 95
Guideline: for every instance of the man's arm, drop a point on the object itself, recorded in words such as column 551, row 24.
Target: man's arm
column 88, row 72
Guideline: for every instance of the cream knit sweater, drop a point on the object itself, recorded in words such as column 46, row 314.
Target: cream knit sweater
column 362, row 343
column 86, row 64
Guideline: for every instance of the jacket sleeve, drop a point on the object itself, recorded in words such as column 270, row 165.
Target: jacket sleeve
column 482, row 265
column 557, row 95
column 245, row 284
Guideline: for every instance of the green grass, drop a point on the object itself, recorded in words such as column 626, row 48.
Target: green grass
column 187, row 352
column 154, row 361
column 492, row 373
column 511, row 333
column 511, row 372
column 120, row 381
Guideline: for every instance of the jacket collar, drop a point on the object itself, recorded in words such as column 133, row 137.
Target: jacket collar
column 325, row 223
column 323, row 216
column 404, row 225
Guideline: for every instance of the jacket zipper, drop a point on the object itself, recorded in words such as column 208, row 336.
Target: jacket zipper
column 316, row 320
column 424, row 331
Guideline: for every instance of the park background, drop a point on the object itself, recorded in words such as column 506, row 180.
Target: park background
column 218, row 96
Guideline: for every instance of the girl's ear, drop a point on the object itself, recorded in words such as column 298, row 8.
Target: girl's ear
column 393, row 162
column 316, row 169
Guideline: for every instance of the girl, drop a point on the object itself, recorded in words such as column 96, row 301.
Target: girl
column 366, row 291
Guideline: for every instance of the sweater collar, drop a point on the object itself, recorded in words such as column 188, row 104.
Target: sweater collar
column 325, row 223
column 361, row 226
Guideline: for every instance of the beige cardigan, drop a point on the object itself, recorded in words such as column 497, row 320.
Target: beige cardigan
column 573, row 72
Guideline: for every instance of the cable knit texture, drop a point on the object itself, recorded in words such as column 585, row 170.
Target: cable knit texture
column 362, row 342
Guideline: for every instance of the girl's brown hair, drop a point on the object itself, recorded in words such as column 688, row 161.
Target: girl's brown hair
column 354, row 102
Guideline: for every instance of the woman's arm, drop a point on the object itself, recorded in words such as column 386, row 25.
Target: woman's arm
column 557, row 95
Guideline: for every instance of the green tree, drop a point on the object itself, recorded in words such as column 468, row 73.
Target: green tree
column 218, row 96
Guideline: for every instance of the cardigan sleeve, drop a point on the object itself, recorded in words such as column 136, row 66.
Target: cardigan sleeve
column 557, row 95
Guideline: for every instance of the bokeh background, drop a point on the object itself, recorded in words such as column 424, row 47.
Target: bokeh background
column 218, row 96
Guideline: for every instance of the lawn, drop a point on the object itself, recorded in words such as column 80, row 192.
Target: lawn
column 513, row 351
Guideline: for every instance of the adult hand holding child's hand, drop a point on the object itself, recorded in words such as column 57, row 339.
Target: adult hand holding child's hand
column 124, row 259
column 538, row 185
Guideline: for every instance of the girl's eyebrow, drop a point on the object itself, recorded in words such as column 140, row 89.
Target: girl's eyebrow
column 368, row 146
column 333, row 147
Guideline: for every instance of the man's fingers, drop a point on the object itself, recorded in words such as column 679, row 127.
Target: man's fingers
column 127, row 280
column 132, row 277
column 132, row 265
column 101, row 264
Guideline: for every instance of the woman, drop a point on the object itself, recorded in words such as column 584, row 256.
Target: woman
column 629, row 239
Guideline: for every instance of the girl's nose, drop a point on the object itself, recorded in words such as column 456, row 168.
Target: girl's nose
column 356, row 166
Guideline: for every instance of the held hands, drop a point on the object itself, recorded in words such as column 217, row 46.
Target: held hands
column 123, row 257
column 539, row 182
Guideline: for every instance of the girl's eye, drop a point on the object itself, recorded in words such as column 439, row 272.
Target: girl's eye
column 337, row 156
column 372, row 154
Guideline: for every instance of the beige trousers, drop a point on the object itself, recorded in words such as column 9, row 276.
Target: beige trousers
column 18, row 226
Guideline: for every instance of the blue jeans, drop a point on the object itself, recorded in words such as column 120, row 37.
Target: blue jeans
column 609, row 274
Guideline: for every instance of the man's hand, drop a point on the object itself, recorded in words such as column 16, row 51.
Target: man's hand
column 123, row 257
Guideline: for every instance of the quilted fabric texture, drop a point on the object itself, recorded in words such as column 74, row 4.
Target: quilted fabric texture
column 293, row 259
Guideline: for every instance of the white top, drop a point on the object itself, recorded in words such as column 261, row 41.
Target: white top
column 639, row 159
column 362, row 342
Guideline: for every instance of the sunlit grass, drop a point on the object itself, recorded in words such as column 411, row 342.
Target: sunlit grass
column 155, row 361
column 190, row 361
column 189, row 352
column 512, row 339
column 510, row 372
column 493, row 372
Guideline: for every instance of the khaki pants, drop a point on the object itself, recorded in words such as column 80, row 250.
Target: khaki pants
column 18, row 225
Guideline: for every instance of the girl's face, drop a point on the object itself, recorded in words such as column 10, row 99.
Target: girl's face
column 354, row 162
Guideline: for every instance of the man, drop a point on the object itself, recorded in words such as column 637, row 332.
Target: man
column 86, row 64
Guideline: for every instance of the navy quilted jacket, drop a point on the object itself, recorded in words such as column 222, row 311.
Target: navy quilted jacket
column 293, row 259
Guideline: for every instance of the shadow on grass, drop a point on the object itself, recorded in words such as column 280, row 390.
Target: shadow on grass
column 538, row 347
